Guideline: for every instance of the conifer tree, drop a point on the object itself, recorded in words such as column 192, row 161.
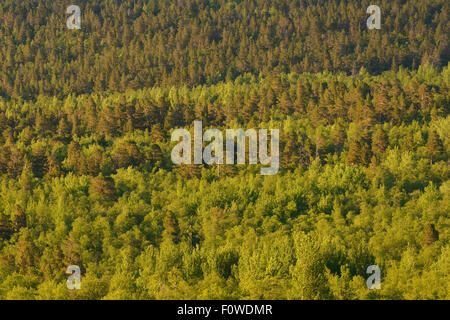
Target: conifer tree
column 430, row 234
column 6, row 229
column 171, row 228
column 434, row 146
column 379, row 142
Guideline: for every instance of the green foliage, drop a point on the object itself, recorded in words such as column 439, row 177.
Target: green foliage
column 85, row 171
column 141, row 228
column 143, row 43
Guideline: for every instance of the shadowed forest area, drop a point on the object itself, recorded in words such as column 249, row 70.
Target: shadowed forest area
column 86, row 176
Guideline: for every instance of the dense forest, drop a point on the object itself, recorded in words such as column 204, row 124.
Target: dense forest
column 86, row 176
column 143, row 43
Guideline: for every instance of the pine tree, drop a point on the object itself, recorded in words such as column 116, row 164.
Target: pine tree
column 6, row 229
column 72, row 251
column 127, row 154
column 39, row 162
column 64, row 130
column 354, row 152
column 156, row 155
column 291, row 152
column 27, row 177
column 20, row 219
column 339, row 136
column 103, row 189
column 434, row 146
column 171, row 228
column 75, row 157
column 430, row 234
column 379, row 142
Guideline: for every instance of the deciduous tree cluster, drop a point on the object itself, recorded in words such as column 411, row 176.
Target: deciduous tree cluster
column 87, row 180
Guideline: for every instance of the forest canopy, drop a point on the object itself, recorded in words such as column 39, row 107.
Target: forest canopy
column 86, row 176
column 88, row 181
column 143, row 43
